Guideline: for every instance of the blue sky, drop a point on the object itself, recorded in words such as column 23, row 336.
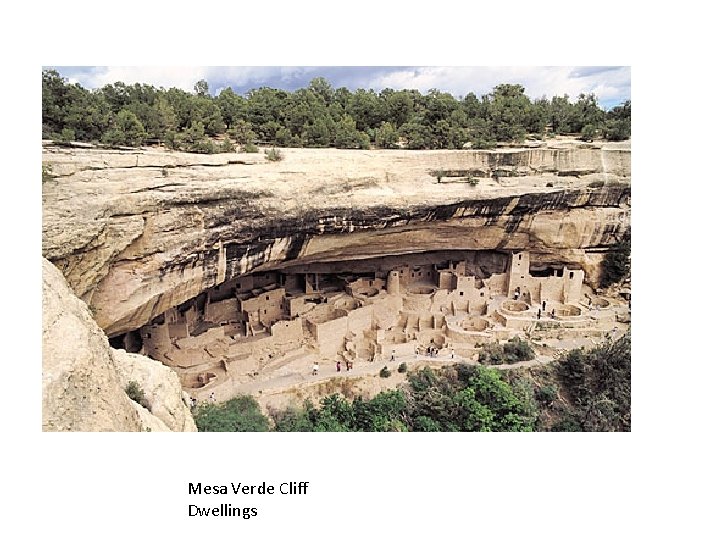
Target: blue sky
column 610, row 83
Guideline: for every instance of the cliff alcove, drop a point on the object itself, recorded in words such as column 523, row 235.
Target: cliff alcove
column 235, row 271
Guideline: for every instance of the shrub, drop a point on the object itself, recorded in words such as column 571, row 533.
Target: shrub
column 273, row 155
column 67, row 134
column 384, row 372
column 473, row 181
column 227, row 147
column 402, row 368
column 137, row 394
column 250, row 148
column 597, row 382
column 46, row 172
column 490, row 353
column 617, row 130
column 546, row 394
column 549, row 184
column 616, row 264
column 596, row 183
column 517, row 350
column 587, row 133
column 239, row 414
column 203, row 146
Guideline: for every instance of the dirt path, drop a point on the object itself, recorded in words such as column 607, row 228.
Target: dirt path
column 366, row 368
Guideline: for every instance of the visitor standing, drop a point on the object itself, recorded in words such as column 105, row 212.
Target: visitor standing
column 315, row 368
column 337, row 365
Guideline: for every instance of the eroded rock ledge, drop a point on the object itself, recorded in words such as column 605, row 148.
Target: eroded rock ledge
column 136, row 233
column 84, row 379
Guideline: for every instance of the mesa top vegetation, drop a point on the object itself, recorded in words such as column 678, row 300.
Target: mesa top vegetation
column 318, row 116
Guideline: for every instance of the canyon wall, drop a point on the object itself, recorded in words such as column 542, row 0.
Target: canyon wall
column 84, row 380
column 135, row 233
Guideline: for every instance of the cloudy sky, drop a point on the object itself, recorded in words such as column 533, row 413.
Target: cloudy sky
column 610, row 83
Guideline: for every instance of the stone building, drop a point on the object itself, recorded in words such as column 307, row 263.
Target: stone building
column 239, row 330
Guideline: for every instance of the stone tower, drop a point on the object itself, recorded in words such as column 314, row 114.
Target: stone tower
column 393, row 282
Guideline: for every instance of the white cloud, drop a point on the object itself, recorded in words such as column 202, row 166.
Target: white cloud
column 607, row 83
column 180, row 77
column 183, row 77
column 538, row 81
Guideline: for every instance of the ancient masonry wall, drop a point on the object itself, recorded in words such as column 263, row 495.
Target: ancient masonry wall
column 235, row 330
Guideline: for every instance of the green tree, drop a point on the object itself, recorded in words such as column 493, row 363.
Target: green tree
column 617, row 124
column 347, row 135
column 196, row 132
column 509, row 413
column 481, row 134
column 561, row 114
column 238, row 414
column 386, row 136
column 243, row 133
column 201, row 88
column 598, row 383
column 364, row 108
column 294, row 419
column 231, row 107
column 165, row 121
column 417, row 134
column 587, row 133
column 509, row 112
column 126, row 130
column 587, row 112
column 538, row 116
column 316, row 116
column 319, row 132
column 616, row 263
column 53, row 98
column 398, row 106
column 322, row 89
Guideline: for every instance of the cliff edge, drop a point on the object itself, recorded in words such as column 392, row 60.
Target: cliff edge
column 84, row 380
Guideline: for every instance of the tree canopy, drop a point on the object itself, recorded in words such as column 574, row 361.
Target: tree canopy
column 588, row 390
column 316, row 116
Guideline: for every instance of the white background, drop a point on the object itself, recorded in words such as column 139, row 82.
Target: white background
column 656, row 482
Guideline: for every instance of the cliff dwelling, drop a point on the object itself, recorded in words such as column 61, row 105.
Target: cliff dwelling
column 230, row 264
column 276, row 323
column 241, row 280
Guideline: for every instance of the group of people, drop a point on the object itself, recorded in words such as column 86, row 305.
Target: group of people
column 338, row 366
column 348, row 365
column 542, row 309
column 193, row 400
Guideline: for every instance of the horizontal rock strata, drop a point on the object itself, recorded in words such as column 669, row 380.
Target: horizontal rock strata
column 136, row 233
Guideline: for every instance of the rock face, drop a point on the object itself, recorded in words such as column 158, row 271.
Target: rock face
column 82, row 386
column 136, row 233
column 161, row 387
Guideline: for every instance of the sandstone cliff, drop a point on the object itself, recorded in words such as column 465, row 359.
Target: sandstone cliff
column 136, row 233
column 161, row 387
column 84, row 380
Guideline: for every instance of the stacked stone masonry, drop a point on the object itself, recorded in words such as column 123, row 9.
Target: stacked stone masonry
column 243, row 329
